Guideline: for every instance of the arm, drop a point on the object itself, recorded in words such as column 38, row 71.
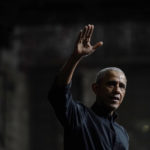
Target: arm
column 82, row 48
column 60, row 96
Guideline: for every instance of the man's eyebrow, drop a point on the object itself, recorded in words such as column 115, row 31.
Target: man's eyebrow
column 124, row 84
column 111, row 81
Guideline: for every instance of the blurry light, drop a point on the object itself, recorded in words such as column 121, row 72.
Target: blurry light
column 145, row 128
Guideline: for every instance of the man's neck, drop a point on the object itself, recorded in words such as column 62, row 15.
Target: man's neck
column 101, row 108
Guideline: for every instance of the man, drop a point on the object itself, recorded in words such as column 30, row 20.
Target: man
column 90, row 128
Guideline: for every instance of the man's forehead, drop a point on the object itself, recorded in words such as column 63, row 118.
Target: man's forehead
column 118, row 75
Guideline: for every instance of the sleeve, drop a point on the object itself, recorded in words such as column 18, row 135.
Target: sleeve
column 69, row 112
column 127, row 136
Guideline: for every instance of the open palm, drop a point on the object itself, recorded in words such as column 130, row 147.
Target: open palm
column 83, row 45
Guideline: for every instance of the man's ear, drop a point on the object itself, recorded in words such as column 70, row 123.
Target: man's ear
column 95, row 88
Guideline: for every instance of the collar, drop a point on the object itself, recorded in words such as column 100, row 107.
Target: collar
column 101, row 111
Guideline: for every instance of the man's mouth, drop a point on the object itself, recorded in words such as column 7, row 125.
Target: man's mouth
column 115, row 98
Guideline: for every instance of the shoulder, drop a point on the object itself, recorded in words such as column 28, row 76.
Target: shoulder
column 122, row 129
column 81, row 107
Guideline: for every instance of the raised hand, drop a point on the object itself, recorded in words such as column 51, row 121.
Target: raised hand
column 83, row 45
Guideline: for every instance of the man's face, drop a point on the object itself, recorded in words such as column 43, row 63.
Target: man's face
column 111, row 90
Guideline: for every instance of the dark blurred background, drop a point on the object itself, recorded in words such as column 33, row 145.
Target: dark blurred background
column 36, row 38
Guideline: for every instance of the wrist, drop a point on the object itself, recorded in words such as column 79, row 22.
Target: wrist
column 76, row 57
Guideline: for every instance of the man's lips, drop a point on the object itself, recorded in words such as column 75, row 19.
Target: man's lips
column 115, row 98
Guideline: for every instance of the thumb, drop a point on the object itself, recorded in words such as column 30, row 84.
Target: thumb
column 98, row 45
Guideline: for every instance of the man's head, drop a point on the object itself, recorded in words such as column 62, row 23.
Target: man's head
column 110, row 88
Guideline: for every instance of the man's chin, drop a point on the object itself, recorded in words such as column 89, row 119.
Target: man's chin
column 113, row 107
column 110, row 106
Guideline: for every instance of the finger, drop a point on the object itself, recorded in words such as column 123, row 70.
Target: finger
column 90, row 31
column 79, row 36
column 98, row 45
column 84, row 32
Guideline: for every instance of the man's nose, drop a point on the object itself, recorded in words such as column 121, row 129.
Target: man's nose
column 116, row 89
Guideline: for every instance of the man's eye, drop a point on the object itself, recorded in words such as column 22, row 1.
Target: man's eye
column 111, row 83
column 122, row 86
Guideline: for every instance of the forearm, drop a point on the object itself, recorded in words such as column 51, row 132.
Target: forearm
column 65, row 74
column 82, row 49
